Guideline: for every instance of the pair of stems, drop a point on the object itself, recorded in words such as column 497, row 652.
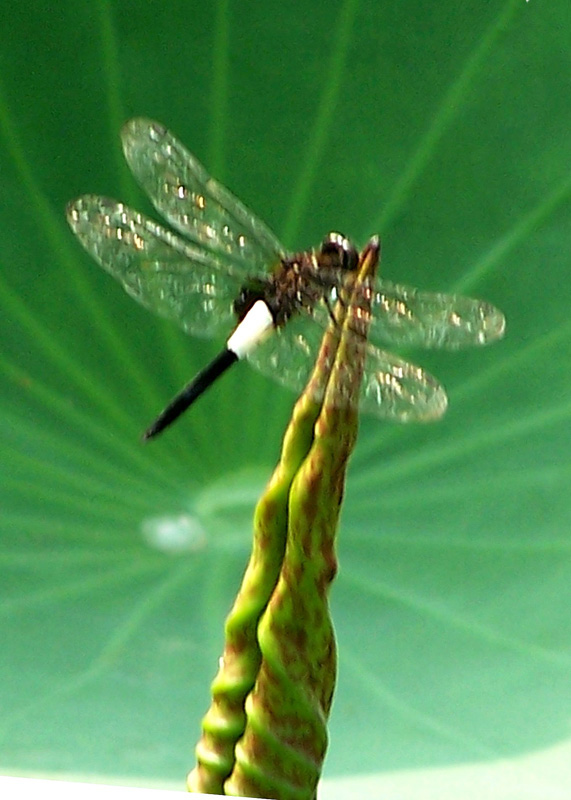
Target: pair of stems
column 265, row 734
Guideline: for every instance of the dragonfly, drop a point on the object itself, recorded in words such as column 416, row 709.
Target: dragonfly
column 218, row 270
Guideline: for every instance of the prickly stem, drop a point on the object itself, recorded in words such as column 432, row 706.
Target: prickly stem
column 265, row 733
column 224, row 722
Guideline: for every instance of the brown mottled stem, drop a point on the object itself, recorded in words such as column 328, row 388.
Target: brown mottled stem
column 224, row 722
column 265, row 733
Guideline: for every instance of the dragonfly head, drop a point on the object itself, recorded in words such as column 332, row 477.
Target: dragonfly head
column 338, row 252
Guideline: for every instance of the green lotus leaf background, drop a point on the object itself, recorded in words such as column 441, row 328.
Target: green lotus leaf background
column 445, row 128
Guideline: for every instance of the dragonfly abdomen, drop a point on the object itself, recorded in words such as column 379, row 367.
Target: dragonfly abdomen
column 255, row 326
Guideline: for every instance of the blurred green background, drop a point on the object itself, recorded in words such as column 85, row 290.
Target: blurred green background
column 445, row 128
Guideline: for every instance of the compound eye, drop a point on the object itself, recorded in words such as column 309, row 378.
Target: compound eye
column 340, row 250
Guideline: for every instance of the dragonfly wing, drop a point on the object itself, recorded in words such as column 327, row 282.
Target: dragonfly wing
column 397, row 390
column 193, row 202
column 392, row 389
column 165, row 274
column 406, row 317
column 288, row 355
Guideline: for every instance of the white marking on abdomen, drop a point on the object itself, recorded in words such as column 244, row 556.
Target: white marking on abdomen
column 255, row 326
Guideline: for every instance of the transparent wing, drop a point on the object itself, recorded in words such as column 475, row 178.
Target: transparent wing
column 392, row 388
column 398, row 390
column 193, row 202
column 402, row 316
column 406, row 317
column 165, row 274
column 288, row 355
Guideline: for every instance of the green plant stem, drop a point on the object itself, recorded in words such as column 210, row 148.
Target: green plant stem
column 265, row 732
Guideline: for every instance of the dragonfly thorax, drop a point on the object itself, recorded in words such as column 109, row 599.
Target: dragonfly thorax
column 291, row 288
column 300, row 280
